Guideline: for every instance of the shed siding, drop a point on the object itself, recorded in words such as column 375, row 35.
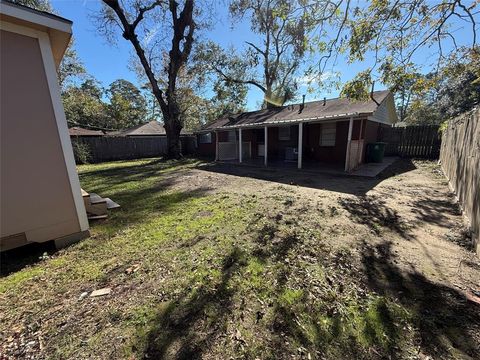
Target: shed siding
column 36, row 195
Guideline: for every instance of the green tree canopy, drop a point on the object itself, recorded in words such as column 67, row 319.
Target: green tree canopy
column 84, row 106
column 455, row 89
column 389, row 35
column 271, row 64
column 127, row 105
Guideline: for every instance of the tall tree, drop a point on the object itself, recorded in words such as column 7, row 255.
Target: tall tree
column 84, row 106
column 198, row 111
column 127, row 106
column 456, row 90
column 228, row 99
column 272, row 64
column 153, row 108
column 167, row 27
column 391, row 34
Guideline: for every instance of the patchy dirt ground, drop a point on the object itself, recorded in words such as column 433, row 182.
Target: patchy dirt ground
column 219, row 261
column 411, row 200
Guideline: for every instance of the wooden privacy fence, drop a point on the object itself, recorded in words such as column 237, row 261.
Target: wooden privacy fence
column 412, row 141
column 460, row 159
column 108, row 148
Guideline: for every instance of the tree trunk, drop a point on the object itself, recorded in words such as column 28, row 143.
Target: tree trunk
column 172, row 129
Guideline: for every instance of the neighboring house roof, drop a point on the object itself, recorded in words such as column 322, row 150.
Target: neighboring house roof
column 79, row 131
column 59, row 29
column 152, row 128
column 310, row 111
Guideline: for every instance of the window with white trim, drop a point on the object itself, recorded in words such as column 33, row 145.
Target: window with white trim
column 231, row 136
column 328, row 134
column 284, row 133
column 205, row 138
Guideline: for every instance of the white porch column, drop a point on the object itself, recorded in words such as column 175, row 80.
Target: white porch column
column 266, row 147
column 240, row 144
column 349, row 140
column 360, row 152
column 300, row 144
column 216, row 145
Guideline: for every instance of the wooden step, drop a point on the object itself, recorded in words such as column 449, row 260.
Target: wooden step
column 97, row 209
column 97, row 217
column 97, row 206
column 96, row 199
column 111, row 204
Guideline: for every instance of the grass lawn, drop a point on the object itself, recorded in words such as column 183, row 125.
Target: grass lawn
column 214, row 266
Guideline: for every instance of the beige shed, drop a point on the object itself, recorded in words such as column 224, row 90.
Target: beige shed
column 40, row 193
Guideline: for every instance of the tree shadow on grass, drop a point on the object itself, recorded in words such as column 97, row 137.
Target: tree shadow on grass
column 186, row 327
column 374, row 213
column 435, row 211
column 293, row 305
column 447, row 324
column 138, row 204
column 129, row 173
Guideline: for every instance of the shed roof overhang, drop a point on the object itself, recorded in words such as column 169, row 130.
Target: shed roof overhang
column 58, row 29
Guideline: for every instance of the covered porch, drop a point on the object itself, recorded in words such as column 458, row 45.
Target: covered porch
column 331, row 145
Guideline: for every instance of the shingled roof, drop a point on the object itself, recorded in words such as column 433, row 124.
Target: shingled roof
column 331, row 108
column 79, row 131
column 152, row 128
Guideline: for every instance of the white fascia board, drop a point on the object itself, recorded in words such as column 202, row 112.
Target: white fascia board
column 51, row 74
column 30, row 16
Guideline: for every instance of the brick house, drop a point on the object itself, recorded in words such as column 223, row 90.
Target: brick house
column 332, row 132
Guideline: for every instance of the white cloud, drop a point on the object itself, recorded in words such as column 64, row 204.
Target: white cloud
column 315, row 78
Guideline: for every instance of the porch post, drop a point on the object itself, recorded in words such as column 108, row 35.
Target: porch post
column 266, row 146
column 216, row 145
column 360, row 142
column 300, row 144
column 349, row 140
column 240, row 144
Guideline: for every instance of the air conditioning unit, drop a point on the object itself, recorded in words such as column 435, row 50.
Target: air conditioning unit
column 291, row 154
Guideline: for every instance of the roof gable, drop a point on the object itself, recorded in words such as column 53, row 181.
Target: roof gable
column 59, row 29
column 151, row 128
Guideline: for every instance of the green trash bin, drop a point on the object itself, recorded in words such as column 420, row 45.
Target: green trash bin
column 375, row 152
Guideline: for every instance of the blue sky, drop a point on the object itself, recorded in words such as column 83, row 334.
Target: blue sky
column 108, row 63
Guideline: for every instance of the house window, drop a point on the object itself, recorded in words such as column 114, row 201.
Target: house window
column 260, row 136
column 205, row 138
column 327, row 134
column 231, row 136
column 284, row 133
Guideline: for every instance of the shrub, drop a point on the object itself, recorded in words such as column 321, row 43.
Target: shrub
column 81, row 152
